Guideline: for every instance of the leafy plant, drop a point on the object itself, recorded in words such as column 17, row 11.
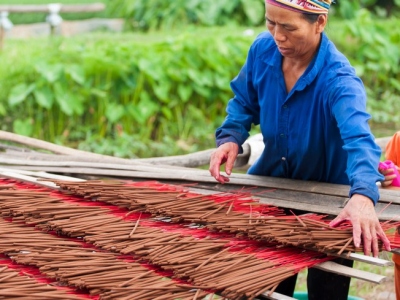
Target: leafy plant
column 348, row 9
column 170, row 88
column 371, row 45
column 143, row 95
column 159, row 14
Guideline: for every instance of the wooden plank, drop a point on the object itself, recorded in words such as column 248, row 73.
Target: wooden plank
column 236, row 179
column 41, row 175
column 317, row 203
column 333, row 267
column 388, row 214
column 369, row 259
column 287, row 184
column 387, row 195
column 28, row 179
column 275, row 296
column 86, row 160
column 290, row 184
column 43, row 8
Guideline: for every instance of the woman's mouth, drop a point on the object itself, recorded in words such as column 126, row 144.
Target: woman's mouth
column 283, row 50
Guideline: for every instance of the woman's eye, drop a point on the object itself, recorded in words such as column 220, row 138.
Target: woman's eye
column 287, row 28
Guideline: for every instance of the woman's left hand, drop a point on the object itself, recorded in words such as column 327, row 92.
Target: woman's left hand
column 361, row 213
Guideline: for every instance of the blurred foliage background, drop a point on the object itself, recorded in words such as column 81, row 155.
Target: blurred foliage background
column 160, row 87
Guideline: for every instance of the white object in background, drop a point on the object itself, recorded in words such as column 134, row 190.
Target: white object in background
column 5, row 22
column 54, row 19
column 257, row 146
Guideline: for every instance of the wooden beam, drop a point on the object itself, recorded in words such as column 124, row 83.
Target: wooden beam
column 192, row 160
column 164, row 172
column 336, row 268
column 369, row 259
column 28, row 179
column 274, row 296
column 41, row 175
column 281, row 191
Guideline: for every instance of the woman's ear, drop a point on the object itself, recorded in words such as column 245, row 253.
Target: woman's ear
column 321, row 22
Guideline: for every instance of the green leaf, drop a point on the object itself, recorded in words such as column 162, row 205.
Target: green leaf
column 254, row 10
column 23, row 127
column 144, row 110
column 2, row 110
column 114, row 112
column 98, row 93
column 162, row 89
column 146, row 107
column 184, row 92
column 44, row 97
column 395, row 83
column 69, row 103
column 167, row 113
column 50, row 72
column 76, row 72
column 19, row 93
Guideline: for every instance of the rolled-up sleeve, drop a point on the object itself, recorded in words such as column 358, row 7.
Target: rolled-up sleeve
column 242, row 110
column 348, row 102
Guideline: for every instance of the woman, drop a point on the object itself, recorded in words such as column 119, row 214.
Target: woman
column 393, row 154
column 311, row 108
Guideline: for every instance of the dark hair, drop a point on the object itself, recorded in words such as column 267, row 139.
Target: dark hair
column 311, row 18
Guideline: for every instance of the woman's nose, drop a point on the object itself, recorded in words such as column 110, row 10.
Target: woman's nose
column 278, row 35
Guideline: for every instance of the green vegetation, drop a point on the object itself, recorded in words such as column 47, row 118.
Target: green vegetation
column 131, row 88
column 141, row 15
column 164, row 92
column 371, row 45
column 118, row 94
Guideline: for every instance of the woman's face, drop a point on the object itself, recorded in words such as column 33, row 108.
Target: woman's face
column 294, row 35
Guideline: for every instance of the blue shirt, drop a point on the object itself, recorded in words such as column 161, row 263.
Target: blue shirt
column 318, row 131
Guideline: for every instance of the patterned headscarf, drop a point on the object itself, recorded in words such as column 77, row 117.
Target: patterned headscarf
column 305, row 6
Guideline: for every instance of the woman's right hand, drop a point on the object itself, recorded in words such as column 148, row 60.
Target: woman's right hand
column 388, row 178
column 226, row 153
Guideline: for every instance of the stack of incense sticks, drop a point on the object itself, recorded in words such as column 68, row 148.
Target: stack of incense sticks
column 14, row 284
column 105, row 274
column 205, row 261
column 236, row 213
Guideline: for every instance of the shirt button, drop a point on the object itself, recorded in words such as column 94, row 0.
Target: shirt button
column 283, row 158
column 285, row 106
column 282, row 135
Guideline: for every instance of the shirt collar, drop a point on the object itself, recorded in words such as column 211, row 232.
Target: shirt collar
column 312, row 70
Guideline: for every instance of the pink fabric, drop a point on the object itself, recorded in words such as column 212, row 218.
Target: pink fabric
column 274, row 2
column 304, row 6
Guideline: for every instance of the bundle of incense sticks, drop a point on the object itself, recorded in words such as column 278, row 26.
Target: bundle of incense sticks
column 102, row 273
column 14, row 285
column 237, row 213
column 191, row 254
